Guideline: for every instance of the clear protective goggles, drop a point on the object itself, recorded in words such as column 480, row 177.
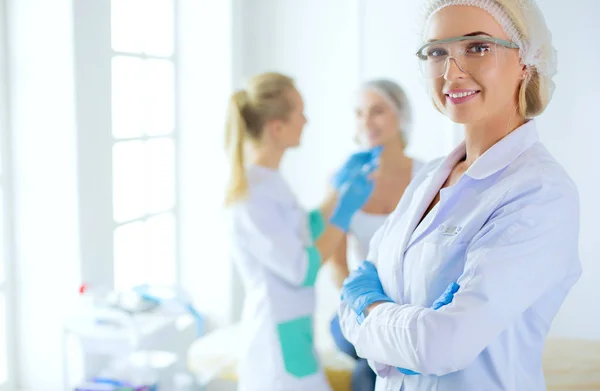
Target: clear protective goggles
column 470, row 53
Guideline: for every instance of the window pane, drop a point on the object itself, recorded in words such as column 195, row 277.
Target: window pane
column 127, row 96
column 160, row 244
column 129, row 241
column 159, row 35
column 128, row 180
column 160, row 175
column 160, row 97
column 3, row 342
column 127, row 25
column 143, row 26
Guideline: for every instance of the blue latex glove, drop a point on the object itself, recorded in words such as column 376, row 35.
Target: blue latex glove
column 363, row 288
column 444, row 299
column 354, row 164
column 352, row 196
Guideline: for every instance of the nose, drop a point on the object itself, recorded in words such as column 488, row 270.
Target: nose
column 453, row 70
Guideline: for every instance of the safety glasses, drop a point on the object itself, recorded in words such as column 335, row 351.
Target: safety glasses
column 471, row 54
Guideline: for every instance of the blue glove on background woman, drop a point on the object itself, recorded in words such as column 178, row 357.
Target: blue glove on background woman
column 355, row 164
column 354, row 191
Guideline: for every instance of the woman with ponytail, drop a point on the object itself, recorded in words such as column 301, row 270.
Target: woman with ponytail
column 277, row 247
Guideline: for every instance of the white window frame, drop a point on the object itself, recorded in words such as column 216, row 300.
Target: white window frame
column 93, row 73
column 7, row 287
column 174, row 137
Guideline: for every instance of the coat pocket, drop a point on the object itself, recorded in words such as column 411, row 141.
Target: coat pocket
column 296, row 340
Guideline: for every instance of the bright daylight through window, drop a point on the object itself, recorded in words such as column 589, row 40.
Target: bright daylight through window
column 144, row 148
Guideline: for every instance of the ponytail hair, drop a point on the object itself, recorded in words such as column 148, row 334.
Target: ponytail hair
column 249, row 110
column 235, row 134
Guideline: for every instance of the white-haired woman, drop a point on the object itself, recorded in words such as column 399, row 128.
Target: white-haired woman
column 497, row 220
column 383, row 119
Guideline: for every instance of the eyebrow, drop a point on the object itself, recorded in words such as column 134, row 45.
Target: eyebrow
column 477, row 33
column 473, row 34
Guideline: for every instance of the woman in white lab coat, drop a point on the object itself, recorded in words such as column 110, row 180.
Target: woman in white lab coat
column 497, row 220
column 383, row 118
column 277, row 247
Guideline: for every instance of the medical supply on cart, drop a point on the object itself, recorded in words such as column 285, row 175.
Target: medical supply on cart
column 130, row 340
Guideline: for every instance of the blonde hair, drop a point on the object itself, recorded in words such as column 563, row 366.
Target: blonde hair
column 536, row 88
column 264, row 99
column 535, row 91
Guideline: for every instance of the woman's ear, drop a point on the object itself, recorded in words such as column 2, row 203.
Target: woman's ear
column 273, row 129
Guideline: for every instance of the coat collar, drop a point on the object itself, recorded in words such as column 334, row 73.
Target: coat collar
column 498, row 157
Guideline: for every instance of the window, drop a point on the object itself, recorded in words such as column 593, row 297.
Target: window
column 144, row 149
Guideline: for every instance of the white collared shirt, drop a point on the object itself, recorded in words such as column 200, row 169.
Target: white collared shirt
column 507, row 232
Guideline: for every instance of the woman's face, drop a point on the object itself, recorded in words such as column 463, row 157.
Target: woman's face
column 289, row 131
column 487, row 92
column 376, row 120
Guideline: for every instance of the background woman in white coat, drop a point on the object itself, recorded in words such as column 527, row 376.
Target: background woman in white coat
column 277, row 246
column 497, row 219
column 383, row 118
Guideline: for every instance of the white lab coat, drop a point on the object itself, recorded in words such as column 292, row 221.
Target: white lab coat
column 273, row 251
column 508, row 233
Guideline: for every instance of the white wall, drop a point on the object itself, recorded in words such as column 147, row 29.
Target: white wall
column 6, row 210
column 570, row 131
column 43, row 129
column 330, row 46
column 207, row 67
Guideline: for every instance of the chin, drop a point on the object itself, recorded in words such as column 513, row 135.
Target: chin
column 461, row 115
column 459, row 119
column 373, row 144
column 388, row 139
